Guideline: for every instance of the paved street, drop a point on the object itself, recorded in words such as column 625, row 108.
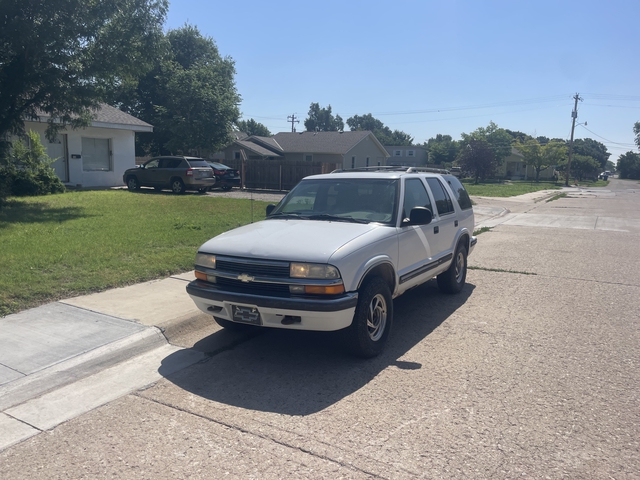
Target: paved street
column 532, row 371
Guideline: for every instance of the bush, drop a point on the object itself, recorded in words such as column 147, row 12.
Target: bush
column 26, row 171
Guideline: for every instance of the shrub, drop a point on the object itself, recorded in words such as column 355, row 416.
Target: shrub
column 26, row 170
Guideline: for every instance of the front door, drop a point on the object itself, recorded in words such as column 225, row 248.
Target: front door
column 57, row 150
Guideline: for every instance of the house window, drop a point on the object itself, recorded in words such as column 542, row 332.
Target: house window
column 397, row 153
column 367, row 161
column 411, row 153
column 236, row 155
column 96, row 155
column 308, row 157
column 353, row 162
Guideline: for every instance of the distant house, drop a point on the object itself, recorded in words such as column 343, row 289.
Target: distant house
column 95, row 156
column 514, row 168
column 412, row 156
column 281, row 160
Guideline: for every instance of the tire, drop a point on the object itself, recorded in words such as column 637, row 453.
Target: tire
column 369, row 331
column 453, row 280
column 177, row 186
column 226, row 188
column 234, row 326
column 132, row 183
column 203, row 189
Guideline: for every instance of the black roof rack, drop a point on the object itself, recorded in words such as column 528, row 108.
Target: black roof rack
column 393, row 168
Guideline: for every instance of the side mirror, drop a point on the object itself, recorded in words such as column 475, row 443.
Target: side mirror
column 270, row 209
column 420, row 216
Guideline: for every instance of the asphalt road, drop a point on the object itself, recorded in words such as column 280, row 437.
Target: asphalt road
column 532, row 371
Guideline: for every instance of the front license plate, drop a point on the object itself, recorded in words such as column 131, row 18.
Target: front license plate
column 246, row 315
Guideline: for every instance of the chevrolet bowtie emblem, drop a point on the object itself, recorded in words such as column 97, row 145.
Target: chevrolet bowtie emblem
column 245, row 278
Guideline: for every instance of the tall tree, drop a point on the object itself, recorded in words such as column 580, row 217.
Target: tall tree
column 541, row 156
column 477, row 157
column 498, row 139
column 591, row 148
column 584, row 166
column 383, row 133
column 60, row 57
column 442, row 149
column 190, row 97
column 322, row 120
column 629, row 165
column 251, row 127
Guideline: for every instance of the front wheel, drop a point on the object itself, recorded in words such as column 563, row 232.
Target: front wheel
column 371, row 324
column 453, row 280
column 177, row 186
column 226, row 187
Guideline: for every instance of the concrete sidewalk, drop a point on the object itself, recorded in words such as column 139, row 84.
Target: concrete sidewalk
column 63, row 359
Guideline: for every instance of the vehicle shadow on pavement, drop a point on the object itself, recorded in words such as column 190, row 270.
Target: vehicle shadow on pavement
column 301, row 373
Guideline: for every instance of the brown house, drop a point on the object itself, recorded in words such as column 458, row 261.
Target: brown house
column 281, row 161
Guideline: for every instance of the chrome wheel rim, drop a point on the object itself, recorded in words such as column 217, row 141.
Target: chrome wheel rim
column 377, row 317
column 177, row 187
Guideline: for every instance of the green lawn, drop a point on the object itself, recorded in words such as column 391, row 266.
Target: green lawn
column 76, row 243
column 517, row 187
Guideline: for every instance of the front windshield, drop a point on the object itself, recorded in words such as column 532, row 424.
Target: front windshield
column 342, row 199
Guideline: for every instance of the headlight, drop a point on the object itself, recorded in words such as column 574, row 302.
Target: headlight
column 205, row 260
column 313, row 270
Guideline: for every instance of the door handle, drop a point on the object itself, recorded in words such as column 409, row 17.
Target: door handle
column 436, row 229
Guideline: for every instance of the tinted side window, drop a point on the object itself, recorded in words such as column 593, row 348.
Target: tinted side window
column 198, row 163
column 440, row 195
column 171, row 162
column 415, row 195
column 459, row 191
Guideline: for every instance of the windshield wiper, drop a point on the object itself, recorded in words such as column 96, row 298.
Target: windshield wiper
column 336, row 218
column 287, row 215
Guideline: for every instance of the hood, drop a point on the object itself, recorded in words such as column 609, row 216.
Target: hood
column 295, row 240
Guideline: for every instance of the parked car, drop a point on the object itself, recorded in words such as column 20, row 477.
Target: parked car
column 176, row 173
column 336, row 251
column 456, row 171
column 226, row 177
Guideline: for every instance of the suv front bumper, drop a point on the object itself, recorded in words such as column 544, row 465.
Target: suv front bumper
column 314, row 314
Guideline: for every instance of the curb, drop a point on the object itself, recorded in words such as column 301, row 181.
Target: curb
column 79, row 367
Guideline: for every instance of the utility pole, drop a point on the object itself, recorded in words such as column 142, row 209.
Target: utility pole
column 292, row 119
column 574, row 115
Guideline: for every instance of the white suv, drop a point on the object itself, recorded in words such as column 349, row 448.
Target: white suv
column 336, row 251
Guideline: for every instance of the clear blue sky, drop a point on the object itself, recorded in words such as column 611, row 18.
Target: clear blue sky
column 427, row 67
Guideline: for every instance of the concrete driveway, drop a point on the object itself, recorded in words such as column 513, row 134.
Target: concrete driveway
column 531, row 372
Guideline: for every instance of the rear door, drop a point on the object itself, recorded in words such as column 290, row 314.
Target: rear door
column 445, row 222
column 171, row 167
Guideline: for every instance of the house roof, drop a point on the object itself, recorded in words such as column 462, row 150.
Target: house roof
column 107, row 116
column 254, row 147
column 322, row 142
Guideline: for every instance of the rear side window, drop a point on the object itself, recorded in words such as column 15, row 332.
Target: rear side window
column 170, row 162
column 199, row 163
column 440, row 195
column 459, row 192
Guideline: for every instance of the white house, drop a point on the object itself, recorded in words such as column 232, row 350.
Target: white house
column 94, row 156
